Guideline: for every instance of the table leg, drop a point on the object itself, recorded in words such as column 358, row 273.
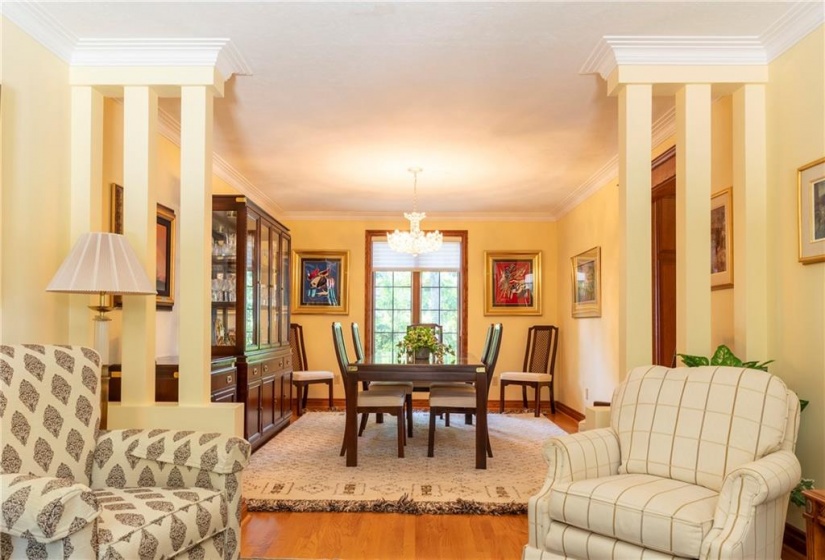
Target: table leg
column 350, row 431
column 481, row 420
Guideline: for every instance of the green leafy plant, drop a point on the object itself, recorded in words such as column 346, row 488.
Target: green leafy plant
column 724, row 357
column 419, row 338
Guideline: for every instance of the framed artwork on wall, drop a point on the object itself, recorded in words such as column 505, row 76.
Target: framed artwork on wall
column 165, row 251
column 320, row 282
column 587, row 283
column 512, row 283
column 811, row 211
column 721, row 240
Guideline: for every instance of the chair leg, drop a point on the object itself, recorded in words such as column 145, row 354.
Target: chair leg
column 431, row 435
column 524, row 396
column 306, row 395
column 409, row 403
column 538, row 400
column 468, row 419
column 379, row 417
column 447, row 419
column 298, row 410
column 364, row 417
column 489, row 447
column 343, row 447
column 401, row 433
column 501, row 398
column 329, row 383
column 552, row 399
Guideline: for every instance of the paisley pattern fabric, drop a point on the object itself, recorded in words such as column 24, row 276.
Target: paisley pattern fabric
column 71, row 491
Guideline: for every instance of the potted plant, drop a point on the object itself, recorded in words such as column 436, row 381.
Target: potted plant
column 419, row 343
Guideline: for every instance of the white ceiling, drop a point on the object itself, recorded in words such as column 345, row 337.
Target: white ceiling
column 486, row 97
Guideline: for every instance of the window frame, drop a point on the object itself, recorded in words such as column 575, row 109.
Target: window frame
column 373, row 235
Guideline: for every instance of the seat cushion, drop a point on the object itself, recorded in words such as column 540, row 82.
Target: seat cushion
column 388, row 396
column 157, row 522
column 453, row 397
column 659, row 513
column 311, row 375
column 526, row 376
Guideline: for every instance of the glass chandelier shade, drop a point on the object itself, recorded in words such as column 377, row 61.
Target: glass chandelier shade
column 415, row 241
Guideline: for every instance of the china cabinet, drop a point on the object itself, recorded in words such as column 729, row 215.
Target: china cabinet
column 250, row 310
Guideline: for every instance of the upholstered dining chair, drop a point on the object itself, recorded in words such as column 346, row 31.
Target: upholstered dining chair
column 70, row 490
column 539, row 367
column 406, row 385
column 387, row 399
column 302, row 376
column 696, row 463
column 446, row 399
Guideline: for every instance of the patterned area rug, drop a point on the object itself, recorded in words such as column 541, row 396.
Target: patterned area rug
column 300, row 470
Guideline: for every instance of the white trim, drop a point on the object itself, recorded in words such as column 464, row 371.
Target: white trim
column 238, row 181
column 44, row 28
column 792, row 27
column 398, row 217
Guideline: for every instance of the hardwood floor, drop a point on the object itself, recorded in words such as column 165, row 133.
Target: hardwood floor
column 387, row 535
column 380, row 536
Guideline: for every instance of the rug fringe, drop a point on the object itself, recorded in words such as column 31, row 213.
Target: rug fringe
column 404, row 504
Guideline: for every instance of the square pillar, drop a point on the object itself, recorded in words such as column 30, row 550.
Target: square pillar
column 635, row 282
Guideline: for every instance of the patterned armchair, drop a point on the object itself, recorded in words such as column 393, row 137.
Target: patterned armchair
column 696, row 463
column 71, row 491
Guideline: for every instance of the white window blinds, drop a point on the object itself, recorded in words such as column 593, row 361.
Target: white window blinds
column 447, row 258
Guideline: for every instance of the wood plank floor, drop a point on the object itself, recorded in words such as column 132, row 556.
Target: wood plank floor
column 381, row 536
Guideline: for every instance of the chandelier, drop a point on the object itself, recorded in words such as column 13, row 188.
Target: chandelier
column 415, row 241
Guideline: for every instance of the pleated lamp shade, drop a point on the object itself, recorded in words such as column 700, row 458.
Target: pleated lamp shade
column 102, row 263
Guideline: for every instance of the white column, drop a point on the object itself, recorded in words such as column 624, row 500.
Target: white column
column 635, row 282
column 750, row 196
column 140, row 116
column 195, row 235
column 86, row 210
column 693, row 152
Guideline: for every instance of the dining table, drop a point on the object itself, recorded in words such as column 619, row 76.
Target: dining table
column 464, row 368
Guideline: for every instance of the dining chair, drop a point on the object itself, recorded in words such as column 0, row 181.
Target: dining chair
column 302, row 376
column 406, row 385
column 389, row 400
column 462, row 399
column 539, row 366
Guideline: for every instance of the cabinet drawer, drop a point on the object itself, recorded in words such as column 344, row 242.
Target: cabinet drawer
column 224, row 379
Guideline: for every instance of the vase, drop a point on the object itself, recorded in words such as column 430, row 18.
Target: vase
column 422, row 356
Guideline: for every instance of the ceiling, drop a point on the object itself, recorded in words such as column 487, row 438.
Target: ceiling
column 487, row 98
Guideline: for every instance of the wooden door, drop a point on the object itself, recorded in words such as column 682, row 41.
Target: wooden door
column 663, row 217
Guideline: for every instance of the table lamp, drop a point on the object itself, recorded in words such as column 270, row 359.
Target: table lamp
column 105, row 264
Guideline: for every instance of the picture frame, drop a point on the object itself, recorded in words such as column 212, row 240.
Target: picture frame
column 811, row 211
column 512, row 283
column 165, row 248
column 721, row 240
column 586, row 283
column 320, row 282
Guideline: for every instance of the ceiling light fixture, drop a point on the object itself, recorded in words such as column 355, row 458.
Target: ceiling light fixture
column 415, row 241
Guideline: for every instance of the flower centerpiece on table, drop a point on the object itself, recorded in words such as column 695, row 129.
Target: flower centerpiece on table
column 419, row 342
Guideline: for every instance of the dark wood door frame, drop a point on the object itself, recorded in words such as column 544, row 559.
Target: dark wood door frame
column 663, row 224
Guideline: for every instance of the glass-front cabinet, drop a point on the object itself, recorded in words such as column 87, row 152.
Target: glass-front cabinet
column 250, row 310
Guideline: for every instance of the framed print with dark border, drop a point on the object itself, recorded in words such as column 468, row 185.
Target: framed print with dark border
column 587, row 283
column 512, row 283
column 721, row 240
column 811, row 211
column 165, row 255
column 320, row 282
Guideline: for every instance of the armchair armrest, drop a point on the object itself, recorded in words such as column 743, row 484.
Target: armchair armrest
column 759, row 488
column 45, row 508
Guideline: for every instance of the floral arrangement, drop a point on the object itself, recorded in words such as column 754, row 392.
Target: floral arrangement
column 422, row 338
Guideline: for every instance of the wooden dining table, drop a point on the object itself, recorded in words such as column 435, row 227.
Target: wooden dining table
column 465, row 368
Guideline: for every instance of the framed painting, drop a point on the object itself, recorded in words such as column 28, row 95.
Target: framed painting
column 320, row 282
column 587, row 283
column 721, row 240
column 811, row 211
column 512, row 283
column 165, row 251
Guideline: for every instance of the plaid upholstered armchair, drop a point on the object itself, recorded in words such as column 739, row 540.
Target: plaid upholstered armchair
column 71, row 491
column 696, row 463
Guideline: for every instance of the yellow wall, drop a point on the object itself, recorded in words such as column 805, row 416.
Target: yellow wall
column 35, row 182
column 796, row 121
column 482, row 236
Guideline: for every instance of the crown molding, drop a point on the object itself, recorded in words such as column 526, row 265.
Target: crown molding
column 238, row 181
column 36, row 21
column 613, row 50
column 447, row 216
column 220, row 53
column 799, row 21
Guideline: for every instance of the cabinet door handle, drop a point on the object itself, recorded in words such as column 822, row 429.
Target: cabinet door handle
column 266, row 368
column 254, row 372
column 228, row 379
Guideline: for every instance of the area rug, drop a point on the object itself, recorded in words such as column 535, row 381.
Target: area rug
column 300, row 469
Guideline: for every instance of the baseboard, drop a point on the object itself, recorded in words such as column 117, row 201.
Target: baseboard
column 572, row 413
column 794, row 538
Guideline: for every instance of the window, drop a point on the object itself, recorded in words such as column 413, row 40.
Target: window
column 402, row 290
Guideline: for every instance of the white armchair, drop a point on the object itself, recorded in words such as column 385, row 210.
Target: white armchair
column 696, row 463
column 71, row 491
